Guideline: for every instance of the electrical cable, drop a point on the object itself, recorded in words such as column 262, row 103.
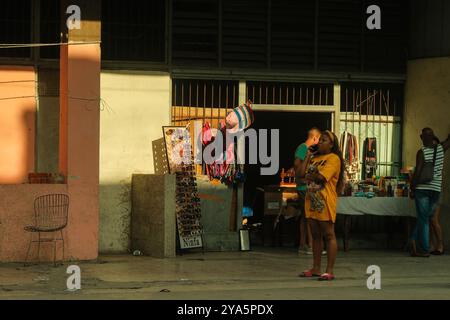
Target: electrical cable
column 36, row 45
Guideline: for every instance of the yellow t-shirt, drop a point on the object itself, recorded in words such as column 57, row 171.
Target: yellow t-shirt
column 321, row 199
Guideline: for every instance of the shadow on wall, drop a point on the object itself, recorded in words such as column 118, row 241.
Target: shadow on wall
column 47, row 130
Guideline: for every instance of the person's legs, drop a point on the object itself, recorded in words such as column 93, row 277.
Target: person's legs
column 433, row 240
column 414, row 237
column 435, row 226
column 309, row 238
column 305, row 231
column 436, row 229
column 327, row 228
column 422, row 231
column 316, row 244
column 303, row 224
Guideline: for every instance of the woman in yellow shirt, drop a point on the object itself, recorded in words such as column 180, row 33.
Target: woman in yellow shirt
column 324, row 173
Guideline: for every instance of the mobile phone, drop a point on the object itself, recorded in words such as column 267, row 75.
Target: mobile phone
column 314, row 148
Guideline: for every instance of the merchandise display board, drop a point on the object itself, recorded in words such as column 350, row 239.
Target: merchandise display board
column 188, row 208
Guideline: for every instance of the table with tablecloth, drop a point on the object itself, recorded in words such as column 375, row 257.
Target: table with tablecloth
column 347, row 207
column 377, row 206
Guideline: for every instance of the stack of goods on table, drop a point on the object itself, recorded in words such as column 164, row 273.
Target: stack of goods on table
column 378, row 186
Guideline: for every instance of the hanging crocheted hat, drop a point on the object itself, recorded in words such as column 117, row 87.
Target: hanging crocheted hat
column 240, row 118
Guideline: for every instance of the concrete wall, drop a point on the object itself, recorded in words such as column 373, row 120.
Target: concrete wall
column 427, row 104
column 16, row 212
column 153, row 225
column 135, row 107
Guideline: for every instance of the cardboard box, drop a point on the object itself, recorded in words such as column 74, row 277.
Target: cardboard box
column 272, row 200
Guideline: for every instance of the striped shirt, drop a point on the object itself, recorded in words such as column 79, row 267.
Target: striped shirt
column 436, row 183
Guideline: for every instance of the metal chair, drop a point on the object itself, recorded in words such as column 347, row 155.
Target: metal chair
column 50, row 216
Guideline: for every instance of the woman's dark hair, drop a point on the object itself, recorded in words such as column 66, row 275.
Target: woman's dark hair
column 336, row 149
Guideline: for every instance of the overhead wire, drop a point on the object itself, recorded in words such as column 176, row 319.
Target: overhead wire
column 36, row 45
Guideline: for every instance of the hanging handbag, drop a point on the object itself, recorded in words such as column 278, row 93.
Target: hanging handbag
column 427, row 173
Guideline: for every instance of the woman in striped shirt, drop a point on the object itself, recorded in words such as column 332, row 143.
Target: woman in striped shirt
column 426, row 194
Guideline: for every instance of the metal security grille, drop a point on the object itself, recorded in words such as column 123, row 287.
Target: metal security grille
column 285, row 93
column 15, row 26
column 205, row 100
column 374, row 111
column 133, row 30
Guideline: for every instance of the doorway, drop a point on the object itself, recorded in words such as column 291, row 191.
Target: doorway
column 293, row 129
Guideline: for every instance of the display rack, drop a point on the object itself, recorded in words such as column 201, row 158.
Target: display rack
column 188, row 207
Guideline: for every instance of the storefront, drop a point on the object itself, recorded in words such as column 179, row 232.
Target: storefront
column 367, row 118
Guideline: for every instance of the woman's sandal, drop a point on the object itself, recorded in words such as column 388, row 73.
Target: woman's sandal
column 326, row 277
column 419, row 255
column 308, row 274
column 437, row 253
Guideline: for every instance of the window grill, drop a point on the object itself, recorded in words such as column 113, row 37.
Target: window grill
column 205, row 100
column 285, row 93
column 375, row 110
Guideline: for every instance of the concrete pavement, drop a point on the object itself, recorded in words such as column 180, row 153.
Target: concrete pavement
column 260, row 274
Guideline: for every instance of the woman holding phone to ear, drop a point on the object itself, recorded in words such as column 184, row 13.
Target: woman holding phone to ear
column 324, row 173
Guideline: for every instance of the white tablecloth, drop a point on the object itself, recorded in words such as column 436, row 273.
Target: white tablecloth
column 382, row 206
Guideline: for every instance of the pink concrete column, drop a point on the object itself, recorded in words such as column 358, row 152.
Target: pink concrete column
column 80, row 130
